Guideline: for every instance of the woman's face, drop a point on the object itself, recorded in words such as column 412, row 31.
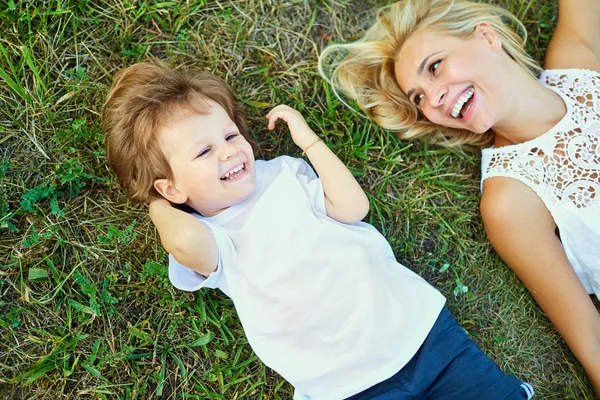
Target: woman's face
column 455, row 82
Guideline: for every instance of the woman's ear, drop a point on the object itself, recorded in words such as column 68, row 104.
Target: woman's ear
column 169, row 191
column 489, row 34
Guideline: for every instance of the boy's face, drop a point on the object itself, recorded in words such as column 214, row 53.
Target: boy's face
column 212, row 163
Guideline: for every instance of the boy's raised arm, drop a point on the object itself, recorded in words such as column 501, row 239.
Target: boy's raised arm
column 345, row 201
column 185, row 237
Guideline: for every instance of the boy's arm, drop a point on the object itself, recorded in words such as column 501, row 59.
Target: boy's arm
column 185, row 237
column 345, row 201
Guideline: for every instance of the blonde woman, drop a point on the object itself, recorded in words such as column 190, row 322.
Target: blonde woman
column 453, row 72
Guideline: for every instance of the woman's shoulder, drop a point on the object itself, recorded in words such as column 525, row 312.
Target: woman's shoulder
column 504, row 197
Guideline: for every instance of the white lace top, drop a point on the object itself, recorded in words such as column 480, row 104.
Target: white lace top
column 562, row 166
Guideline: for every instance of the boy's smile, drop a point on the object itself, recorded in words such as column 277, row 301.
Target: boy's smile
column 235, row 173
column 212, row 163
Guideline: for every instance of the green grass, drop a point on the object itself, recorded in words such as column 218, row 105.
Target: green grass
column 86, row 309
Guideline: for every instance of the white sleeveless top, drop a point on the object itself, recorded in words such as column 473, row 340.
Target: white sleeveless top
column 562, row 166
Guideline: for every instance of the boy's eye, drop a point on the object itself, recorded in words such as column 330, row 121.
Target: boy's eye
column 231, row 136
column 204, row 152
column 434, row 66
column 417, row 99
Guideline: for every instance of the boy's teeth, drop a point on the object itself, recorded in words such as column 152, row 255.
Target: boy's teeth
column 461, row 102
column 233, row 171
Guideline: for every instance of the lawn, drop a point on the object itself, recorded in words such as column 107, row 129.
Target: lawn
column 86, row 309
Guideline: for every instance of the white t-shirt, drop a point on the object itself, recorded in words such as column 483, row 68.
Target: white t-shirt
column 324, row 304
column 562, row 166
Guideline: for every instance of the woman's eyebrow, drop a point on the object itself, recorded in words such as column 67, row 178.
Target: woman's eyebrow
column 424, row 62
column 421, row 69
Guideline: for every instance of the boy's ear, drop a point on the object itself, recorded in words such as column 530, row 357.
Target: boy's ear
column 489, row 34
column 169, row 191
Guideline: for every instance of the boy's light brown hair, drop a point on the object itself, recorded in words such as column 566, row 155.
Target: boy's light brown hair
column 141, row 99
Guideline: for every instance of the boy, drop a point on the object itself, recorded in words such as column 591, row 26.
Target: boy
column 320, row 295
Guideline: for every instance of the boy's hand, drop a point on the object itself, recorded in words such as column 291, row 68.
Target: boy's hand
column 345, row 201
column 185, row 237
column 301, row 133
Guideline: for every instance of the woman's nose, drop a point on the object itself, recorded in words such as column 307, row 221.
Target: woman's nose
column 437, row 96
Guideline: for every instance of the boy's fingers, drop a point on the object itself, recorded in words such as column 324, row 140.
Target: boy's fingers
column 271, row 111
column 273, row 117
column 280, row 107
column 276, row 115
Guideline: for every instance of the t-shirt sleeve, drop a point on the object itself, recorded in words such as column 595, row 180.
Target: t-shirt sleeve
column 309, row 180
column 187, row 279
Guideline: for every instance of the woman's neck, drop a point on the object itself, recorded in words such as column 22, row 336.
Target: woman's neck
column 532, row 110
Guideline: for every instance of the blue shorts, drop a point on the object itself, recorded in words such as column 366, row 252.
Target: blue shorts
column 448, row 366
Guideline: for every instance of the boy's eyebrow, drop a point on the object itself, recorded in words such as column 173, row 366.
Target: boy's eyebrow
column 202, row 139
column 196, row 145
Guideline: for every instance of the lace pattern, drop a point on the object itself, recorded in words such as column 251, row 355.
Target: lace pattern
column 563, row 164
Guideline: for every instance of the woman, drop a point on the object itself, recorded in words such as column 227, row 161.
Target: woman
column 453, row 72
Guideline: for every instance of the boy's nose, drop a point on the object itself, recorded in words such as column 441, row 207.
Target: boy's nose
column 229, row 152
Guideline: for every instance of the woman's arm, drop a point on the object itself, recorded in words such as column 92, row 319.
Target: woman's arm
column 576, row 41
column 523, row 233
column 345, row 201
column 185, row 237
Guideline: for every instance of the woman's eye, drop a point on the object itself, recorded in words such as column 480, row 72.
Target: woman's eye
column 417, row 99
column 231, row 136
column 434, row 66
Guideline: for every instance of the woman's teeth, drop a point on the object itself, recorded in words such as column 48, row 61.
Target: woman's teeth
column 233, row 173
column 461, row 102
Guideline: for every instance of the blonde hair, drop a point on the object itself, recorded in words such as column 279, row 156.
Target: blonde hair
column 142, row 97
column 366, row 72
